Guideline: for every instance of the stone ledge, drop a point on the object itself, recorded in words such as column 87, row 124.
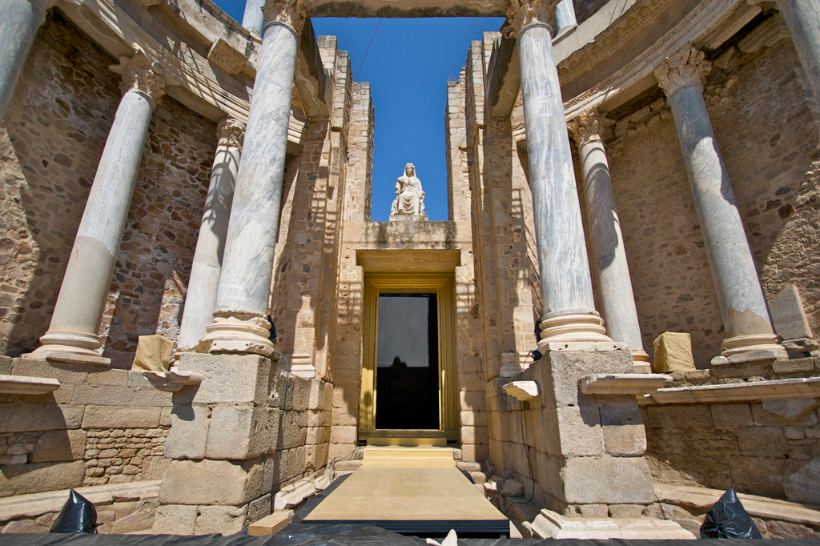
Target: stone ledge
column 549, row 524
column 37, row 504
column 173, row 380
column 702, row 498
column 25, row 385
column 623, row 384
column 521, row 390
column 77, row 359
column 736, row 392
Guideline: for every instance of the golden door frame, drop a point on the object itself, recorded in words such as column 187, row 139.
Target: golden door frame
column 441, row 284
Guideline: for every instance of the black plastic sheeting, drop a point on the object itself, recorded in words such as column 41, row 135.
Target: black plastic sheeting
column 728, row 519
column 344, row 535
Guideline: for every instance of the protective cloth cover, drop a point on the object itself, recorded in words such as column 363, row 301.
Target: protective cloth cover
column 673, row 353
column 153, row 354
column 77, row 516
column 728, row 519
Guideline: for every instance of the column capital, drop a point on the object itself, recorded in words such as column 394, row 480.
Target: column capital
column 141, row 74
column 290, row 13
column 525, row 13
column 687, row 66
column 588, row 127
column 230, row 132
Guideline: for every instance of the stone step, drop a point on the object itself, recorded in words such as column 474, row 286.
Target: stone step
column 373, row 452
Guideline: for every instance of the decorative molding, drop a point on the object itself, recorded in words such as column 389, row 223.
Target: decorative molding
column 524, row 13
column 25, row 385
column 290, row 13
column 589, row 127
column 776, row 389
column 142, row 75
column 623, row 384
column 230, row 132
column 226, row 57
column 686, row 67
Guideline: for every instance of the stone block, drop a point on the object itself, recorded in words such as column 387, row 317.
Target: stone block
column 788, row 317
column 343, row 435
column 762, row 441
column 121, row 417
column 226, row 520
column 29, row 418
column 59, row 445
column 22, row 479
column 626, row 511
column 242, row 432
column 803, row 486
column 580, row 431
column 293, row 495
column 259, row 508
column 116, row 395
column 227, row 378
column 732, row 416
column 165, row 417
column 108, row 377
column 139, row 518
column 175, row 519
column 188, row 434
column 625, row 440
column 208, row 482
column 607, row 480
column 66, row 374
column 795, row 411
column 680, row 417
column 559, row 371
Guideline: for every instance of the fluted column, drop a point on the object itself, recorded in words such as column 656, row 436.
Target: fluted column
column 253, row 19
column 617, row 299
column 742, row 305
column 802, row 17
column 19, row 21
column 77, row 314
column 240, row 324
column 207, row 264
column 566, row 287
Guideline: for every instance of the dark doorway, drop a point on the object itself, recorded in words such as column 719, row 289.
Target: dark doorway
column 407, row 390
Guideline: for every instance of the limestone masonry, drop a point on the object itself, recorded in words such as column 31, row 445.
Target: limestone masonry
column 616, row 170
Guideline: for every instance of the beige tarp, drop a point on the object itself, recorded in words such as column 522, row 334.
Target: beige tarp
column 153, row 354
column 673, row 353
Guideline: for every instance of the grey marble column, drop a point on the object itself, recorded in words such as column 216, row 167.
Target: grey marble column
column 207, row 264
column 616, row 297
column 253, row 19
column 78, row 311
column 802, row 17
column 19, row 21
column 240, row 324
column 566, row 287
column 742, row 305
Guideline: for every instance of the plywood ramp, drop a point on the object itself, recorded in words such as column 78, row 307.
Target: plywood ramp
column 411, row 490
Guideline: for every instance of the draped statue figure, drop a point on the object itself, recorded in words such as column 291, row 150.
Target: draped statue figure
column 409, row 199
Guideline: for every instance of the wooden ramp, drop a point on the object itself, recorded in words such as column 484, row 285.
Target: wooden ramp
column 413, row 491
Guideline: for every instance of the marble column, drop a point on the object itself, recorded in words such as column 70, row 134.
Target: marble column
column 616, row 297
column 565, row 17
column 240, row 324
column 19, row 21
column 77, row 314
column 742, row 304
column 207, row 264
column 802, row 17
column 253, row 19
column 566, row 286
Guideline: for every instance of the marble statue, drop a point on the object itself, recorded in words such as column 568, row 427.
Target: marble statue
column 409, row 199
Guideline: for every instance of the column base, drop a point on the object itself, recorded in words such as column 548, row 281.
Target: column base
column 753, row 343
column 573, row 328
column 640, row 360
column 69, row 348
column 237, row 333
column 302, row 366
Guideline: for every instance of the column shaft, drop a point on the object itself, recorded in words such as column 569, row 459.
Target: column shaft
column 742, row 304
column 239, row 324
column 19, row 21
column 253, row 19
column 566, row 287
column 617, row 299
column 207, row 263
column 80, row 303
column 802, row 17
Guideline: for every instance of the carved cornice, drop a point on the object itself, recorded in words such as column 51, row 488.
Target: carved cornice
column 588, row 127
column 290, row 13
column 524, row 13
column 687, row 66
column 230, row 132
column 142, row 75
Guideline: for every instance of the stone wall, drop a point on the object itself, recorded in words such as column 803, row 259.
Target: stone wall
column 100, row 427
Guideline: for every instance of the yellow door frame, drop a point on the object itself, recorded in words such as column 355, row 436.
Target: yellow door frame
column 441, row 284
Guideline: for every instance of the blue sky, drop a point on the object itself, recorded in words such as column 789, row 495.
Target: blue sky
column 408, row 65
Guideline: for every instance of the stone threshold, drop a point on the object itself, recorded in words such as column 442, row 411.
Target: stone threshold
column 702, row 498
column 775, row 389
column 37, row 504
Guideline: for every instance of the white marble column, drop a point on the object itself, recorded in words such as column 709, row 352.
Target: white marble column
column 240, row 324
column 207, row 264
column 77, row 314
column 802, row 17
column 253, row 19
column 19, row 21
column 566, row 287
column 742, row 305
column 616, row 297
